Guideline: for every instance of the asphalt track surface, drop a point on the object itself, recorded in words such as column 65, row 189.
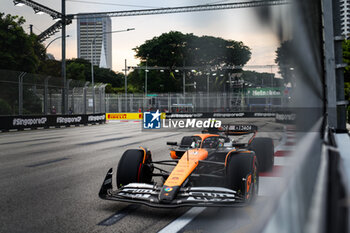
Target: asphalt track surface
column 49, row 182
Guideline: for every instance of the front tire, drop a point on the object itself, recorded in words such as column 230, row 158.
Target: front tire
column 131, row 168
column 242, row 175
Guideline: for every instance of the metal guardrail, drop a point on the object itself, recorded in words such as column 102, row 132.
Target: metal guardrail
column 290, row 213
column 312, row 197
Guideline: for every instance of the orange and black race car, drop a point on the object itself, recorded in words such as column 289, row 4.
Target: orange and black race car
column 209, row 169
column 262, row 146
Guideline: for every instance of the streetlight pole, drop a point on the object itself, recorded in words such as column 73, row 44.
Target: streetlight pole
column 271, row 76
column 65, row 99
column 38, row 9
column 92, row 76
column 208, row 74
column 183, row 78
column 126, row 87
column 93, row 43
column 146, row 76
column 53, row 41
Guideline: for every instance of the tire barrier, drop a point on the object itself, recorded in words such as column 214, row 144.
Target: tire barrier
column 45, row 121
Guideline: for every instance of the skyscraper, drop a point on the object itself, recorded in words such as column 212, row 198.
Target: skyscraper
column 345, row 17
column 92, row 33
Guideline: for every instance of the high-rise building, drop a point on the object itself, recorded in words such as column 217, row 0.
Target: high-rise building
column 92, row 34
column 345, row 17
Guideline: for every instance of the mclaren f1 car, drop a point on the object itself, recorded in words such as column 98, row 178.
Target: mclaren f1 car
column 208, row 169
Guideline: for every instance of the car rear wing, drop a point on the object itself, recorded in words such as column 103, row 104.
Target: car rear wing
column 239, row 129
column 233, row 129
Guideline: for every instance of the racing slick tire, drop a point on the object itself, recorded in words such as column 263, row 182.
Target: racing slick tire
column 242, row 175
column 264, row 150
column 131, row 168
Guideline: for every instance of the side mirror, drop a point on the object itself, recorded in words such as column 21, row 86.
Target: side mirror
column 171, row 143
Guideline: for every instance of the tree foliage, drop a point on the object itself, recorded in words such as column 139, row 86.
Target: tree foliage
column 5, row 108
column 19, row 51
column 285, row 61
column 80, row 69
column 175, row 49
column 22, row 52
column 346, row 59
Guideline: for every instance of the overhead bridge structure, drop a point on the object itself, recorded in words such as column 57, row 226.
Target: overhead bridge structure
column 184, row 9
column 163, row 10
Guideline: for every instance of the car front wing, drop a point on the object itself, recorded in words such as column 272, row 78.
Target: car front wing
column 148, row 194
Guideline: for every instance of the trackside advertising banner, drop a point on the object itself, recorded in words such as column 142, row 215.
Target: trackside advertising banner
column 139, row 116
column 219, row 115
column 22, row 122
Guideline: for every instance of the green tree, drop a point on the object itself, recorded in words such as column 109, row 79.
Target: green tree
column 50, row 67
column 285, row 61
column 103, row 75
column 5, row 108
column 175, row 49
column 80, row 69
column 346, row 59
column 22, row 52
column 19, row 51
column 76, row 71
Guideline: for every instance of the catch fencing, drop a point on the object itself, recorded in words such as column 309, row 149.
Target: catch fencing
column 194, row 102
column 32, row 94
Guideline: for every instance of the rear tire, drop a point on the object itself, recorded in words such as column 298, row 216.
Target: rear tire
column 241, row 168
column 132, row 170
column 264, row 150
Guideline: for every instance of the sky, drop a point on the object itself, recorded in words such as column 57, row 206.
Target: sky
column 235, row 24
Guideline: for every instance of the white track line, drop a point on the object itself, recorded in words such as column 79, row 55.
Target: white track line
column 182, row 221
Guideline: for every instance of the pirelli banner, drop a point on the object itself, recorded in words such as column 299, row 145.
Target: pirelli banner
column 46, row 121
column 124, row 116
column 128, row 116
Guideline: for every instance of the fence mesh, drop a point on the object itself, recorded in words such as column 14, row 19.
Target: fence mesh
column 30, row 94
column 23, row 93
column 194, row 102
